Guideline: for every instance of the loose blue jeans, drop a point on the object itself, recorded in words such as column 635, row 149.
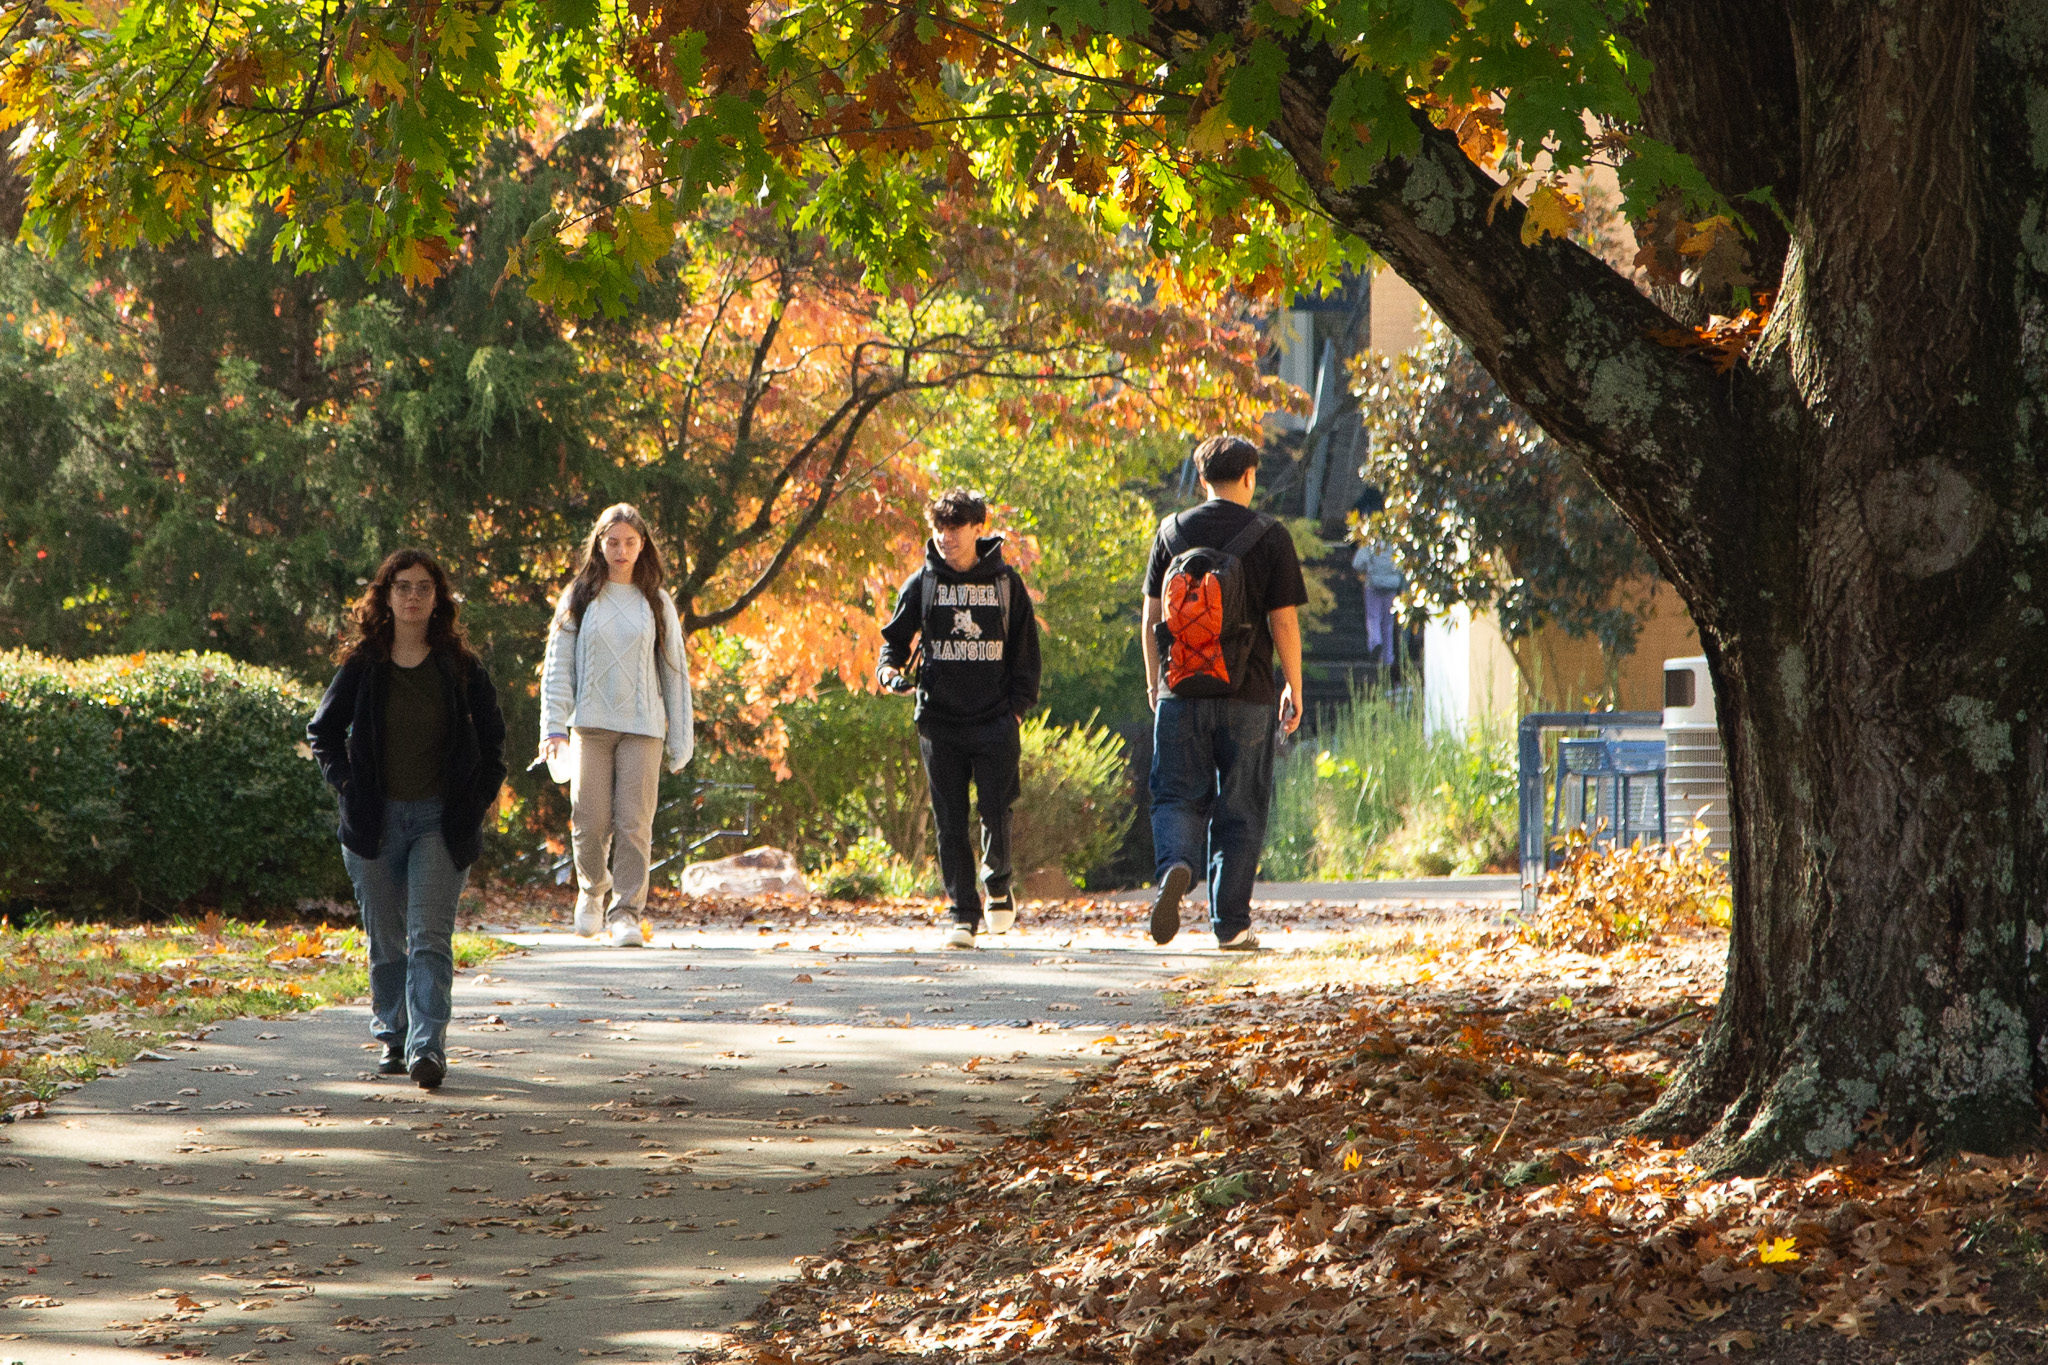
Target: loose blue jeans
column 1212, row 784
column 407, row 895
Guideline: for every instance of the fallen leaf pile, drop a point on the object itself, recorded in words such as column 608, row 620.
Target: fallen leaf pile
column 1431, row 1172
column 77, row 999
column 1599, row 897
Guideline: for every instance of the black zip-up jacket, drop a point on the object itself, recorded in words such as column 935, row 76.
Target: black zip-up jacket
column 347, row 738
column 973, row 672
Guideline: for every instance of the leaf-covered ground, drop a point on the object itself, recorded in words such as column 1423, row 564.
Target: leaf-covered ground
column 78, row 999
column 553, row 907
column 1406, row 1148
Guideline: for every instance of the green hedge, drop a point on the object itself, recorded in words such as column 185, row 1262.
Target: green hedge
column 157, row 780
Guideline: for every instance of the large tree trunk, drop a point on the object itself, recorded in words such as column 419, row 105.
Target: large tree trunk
column 1856, row 517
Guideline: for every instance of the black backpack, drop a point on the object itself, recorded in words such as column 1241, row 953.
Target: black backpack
column 1206, row 625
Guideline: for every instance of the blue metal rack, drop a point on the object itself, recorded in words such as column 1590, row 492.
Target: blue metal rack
column 1614, row 788
column 1529, row 761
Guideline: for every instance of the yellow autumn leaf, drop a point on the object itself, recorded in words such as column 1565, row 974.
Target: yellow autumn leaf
column 1352, row 1161
column 1212, row 132
column 1705, row 233
column 338, row 235
column 175, row 188
column 377, row 65
column 1552, row 213
column 458, row 32
column 643, row 236
column 1778, row 1250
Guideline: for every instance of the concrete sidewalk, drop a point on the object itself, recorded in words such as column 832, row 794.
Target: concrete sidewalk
column 630, row 1148
column 1476, row 891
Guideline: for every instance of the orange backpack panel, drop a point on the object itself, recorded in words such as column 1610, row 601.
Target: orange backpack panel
column 1194, row 614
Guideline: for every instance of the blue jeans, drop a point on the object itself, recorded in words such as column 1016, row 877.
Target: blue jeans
column 1212, row 783
column 407, row 895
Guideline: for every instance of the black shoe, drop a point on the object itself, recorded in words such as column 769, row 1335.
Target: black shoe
column 392, row 1063
column 1166, row 905
column 427, row 1070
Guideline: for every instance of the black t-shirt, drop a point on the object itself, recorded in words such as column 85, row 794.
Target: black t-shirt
column 415, row 730
column 1272, row 580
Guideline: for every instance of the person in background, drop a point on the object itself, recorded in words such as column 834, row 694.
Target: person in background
column 1212, row 756
column 410, row 737
column 1382, row 581
column 615, row 692
column 979, row 641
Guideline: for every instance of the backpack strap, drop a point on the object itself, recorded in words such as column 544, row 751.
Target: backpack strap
column 925, row 579
column 1241, row 544
column 1170, row 535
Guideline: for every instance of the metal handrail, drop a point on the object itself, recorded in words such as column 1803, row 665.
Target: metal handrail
column 556, row 865
column 745, row 831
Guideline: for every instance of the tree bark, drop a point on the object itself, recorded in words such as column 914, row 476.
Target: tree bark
column 1856, row 517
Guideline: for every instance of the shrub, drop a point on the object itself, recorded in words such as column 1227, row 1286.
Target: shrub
column 854, row 770
column 1076, row 801
column 151, row 780
column 871, row 868
column 1600, row 897
column 1467, row 822
column 1377, row 795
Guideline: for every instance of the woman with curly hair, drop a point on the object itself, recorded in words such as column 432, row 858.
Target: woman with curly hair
column 410, row 737
column 615, row 691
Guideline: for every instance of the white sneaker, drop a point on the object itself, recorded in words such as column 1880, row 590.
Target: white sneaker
column 1245, row 942
column 1000, row 916
column 626, row 933
column 589, row 919
column 959, row 936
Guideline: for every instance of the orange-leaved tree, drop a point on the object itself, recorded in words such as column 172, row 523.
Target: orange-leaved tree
column 776, row 402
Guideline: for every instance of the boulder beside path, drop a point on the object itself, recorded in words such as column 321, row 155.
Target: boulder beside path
column 766, row 870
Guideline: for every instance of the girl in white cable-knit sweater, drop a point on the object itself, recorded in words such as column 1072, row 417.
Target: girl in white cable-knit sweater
column 615, row 693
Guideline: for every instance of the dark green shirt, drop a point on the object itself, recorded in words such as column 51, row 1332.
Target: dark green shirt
column 415, row 731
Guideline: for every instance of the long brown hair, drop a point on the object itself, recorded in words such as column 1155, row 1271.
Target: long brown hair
column 371, row 614
column 593, row 573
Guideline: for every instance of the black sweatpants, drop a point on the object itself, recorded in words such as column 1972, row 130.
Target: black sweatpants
column 987, row 756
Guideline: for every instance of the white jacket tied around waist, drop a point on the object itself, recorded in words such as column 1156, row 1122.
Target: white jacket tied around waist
column 605, row 676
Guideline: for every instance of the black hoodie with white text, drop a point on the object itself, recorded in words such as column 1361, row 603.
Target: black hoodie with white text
column 973, row 671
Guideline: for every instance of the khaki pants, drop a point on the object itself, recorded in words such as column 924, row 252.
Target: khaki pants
column 611, row 818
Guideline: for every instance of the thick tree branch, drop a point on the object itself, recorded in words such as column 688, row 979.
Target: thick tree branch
column 821, row 502
column 1562, row 333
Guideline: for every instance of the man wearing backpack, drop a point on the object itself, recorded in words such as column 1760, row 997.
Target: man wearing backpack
column 978, row 642
column 1221, row 595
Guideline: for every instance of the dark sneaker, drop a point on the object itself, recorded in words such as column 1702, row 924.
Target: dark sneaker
column 428, row 1070
column 1245, row 942
column 1002, row 913
column 960, row 935
column 1166, row 905
column 392, row 1061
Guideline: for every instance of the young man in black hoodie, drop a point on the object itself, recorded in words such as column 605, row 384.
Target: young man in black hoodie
column 977, row 677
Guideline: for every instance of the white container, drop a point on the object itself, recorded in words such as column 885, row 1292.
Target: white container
column 1688, row 693
column 1695, row 773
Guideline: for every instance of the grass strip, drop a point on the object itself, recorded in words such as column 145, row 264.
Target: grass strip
column 79, row 999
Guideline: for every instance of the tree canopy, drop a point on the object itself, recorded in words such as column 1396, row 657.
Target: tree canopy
column 357, row 124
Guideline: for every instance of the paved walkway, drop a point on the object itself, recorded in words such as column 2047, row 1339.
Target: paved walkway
column 630, row 1148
